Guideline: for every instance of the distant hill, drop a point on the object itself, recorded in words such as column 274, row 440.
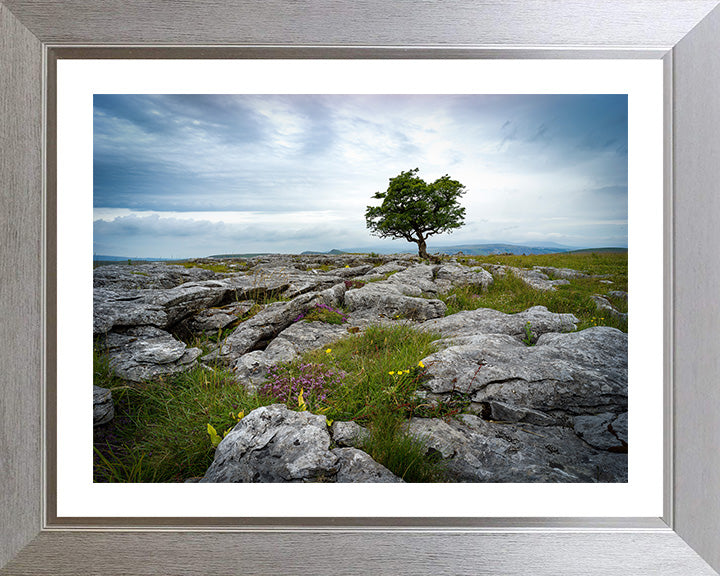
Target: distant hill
column 599, row 250
column 471, row 249
column 333, row 252
column 489, row 249
column 467, row 249
column 106, row 258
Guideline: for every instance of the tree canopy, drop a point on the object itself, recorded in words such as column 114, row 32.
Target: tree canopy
column 413, row 209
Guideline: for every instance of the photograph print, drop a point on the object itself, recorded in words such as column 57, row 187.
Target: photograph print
column 360, row 288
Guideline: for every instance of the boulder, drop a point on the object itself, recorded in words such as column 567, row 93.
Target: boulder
column 415, row 280
column 275, row 444
column 156, row 275
column 358, row 466
column 103, row 410
column 563, row 273
column 489, row 321
column 619, row 427
column 536, row 279
column 604, row 305
column 348, row 433
column 449, row 276
column 164, row 308
column 300, row 337
column 474, row 450
column 210, row 320
column 388, row 299
column 350, row 272
column 296, row 281
column 597, row 430
column 124, row 308
column 257, row 332
column 146, row 352
column 562, row 376
column 619, row 294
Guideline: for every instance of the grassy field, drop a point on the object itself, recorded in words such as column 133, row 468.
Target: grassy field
column 161, row 434
column 510, row 294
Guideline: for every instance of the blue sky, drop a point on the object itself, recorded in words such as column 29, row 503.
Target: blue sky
column 194, row 175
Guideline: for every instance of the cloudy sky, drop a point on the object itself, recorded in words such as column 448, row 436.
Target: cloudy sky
column 194, row 175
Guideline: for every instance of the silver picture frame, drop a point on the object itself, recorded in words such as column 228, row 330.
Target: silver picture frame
column 684, row 34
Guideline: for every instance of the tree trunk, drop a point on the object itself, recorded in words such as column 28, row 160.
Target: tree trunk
column 422, row 249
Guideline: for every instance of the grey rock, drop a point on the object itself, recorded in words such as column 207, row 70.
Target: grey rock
column 159, row 308
column 449, row 276
column 619, row 427
column 595, row 430
column 473, row 450
column 563, row 273
column 358, row 466
column 603, row 305
column 388, row 299
column 351, row 272
column 297, row 282
column 166, row 307
column 300, row 337
column 156, row 275
column 489, row 321
column 275, row 444
column 146, row 352
column 502, row 412
column 333, row 296
column 348, row 433
column 257, row 332
column 414, row 281
column 393, row 266
column 533, row 278
column 211, row 320
column 578, row 373
column 620, row 294
column 103, row 409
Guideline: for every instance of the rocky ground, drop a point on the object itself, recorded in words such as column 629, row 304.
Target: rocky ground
column 553, row 411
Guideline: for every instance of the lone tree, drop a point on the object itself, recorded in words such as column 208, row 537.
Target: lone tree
column 413, row 209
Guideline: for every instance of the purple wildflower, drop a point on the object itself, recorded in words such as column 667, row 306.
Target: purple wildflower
column 285, row 382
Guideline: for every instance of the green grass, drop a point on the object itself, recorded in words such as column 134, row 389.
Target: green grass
column 612, row 263
column 161, row 433
column 161, row 427
column 510, row 294
column 379, row 392
column 219, row 267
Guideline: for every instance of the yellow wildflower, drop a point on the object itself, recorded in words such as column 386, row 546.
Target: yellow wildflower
column 421, row 364
column 328, row 351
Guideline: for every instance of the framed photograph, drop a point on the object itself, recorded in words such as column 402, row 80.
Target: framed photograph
column 663, row 518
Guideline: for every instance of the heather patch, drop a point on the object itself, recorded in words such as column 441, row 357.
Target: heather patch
column 309, row 381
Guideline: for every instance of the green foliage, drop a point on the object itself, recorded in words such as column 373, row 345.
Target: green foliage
column 323, row 313
column 402, row 454
column 529, row 339
column 510, row 294
column 215, row 438
column 414, row 210
column 219, row 267
column 164, row 434
column 126, row 468
column 381, row 374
